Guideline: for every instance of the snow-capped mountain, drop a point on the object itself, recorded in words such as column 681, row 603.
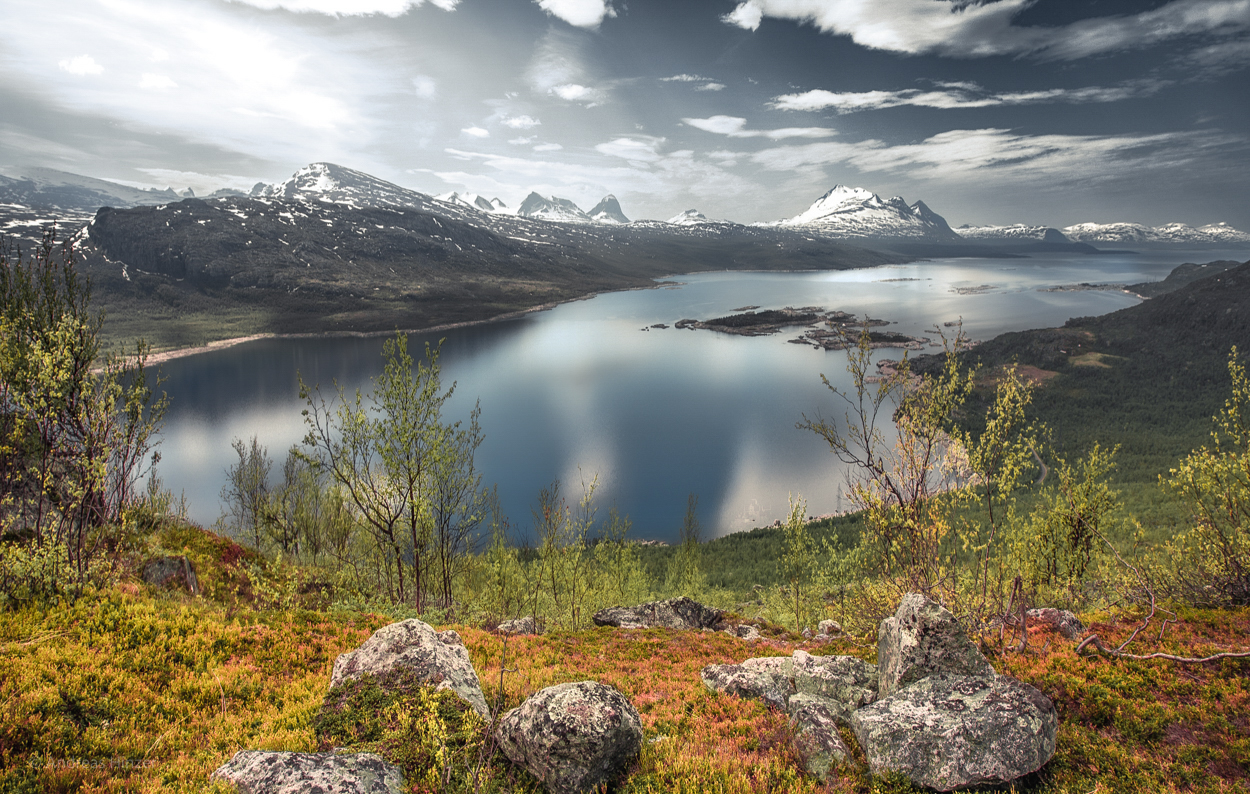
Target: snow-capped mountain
column 608, row 210
column 1178, row 234
column 1013, row 232
column 552, row 209
column 47, row 187
column 335, row 184
column 690, row 217
column 475, row 201
column 855, row 212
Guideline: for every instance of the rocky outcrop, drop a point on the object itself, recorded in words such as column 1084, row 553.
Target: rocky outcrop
column 1062, row 620
column 525, row 625
column 572, row 737
column 934, row 711
column 172, row 572
column 675, row 613
column 950, row 732
column 438, row 658
column 921, row 639
column 257, row 772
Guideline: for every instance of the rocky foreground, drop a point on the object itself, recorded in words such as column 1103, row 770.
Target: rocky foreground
column 933, row 709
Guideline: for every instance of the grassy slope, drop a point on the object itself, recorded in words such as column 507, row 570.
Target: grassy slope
column 136, row 691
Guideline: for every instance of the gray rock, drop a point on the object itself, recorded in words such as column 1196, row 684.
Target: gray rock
column 769, row 679
column 525, row 625
column 828, row 627
column 675, row 613
column 922, row 639
column 1067, row 624
column 846, row 682
column 744, row 631
column 439, row 658
column 816, row 739
column 572, row 737
column 172, row 572
column 950, row 731
column 259, row 772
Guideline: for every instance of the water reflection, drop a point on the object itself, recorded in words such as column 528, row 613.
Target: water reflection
column 658, row 414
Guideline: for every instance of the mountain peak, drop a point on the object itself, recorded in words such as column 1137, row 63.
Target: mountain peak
column 551, row 209
column 857, row 212
column 608, row 210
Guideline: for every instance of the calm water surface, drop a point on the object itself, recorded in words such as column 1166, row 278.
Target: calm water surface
column 582, row 390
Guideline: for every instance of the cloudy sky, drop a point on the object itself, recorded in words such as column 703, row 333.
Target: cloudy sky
column 1038, row 111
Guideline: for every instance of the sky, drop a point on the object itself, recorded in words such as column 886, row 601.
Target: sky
column 1046, row 112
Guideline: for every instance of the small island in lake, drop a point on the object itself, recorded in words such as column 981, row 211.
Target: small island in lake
column 830, row 330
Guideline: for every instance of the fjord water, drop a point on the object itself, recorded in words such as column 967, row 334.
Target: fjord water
column 657, row 414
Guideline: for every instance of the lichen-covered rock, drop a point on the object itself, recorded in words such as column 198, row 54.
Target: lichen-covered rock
column 525, row 625
column 769, row 679
column 439, row 658
column 949, row 732
column 922, row 639
column 572, row 737
column 828, row 628
column 1067, row 624
column 675, row 613
column 817, row 742
column 172, row 572
column 259, row 772
column 848, row 683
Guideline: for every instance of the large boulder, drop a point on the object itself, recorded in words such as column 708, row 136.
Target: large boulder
column 260, row 772
column 675, row 613
column 770, row 679
column 845, row 682
column 572, row 737
column 949, row 732
column 414, row 647
column 814, row 721
column 922, row 639
column 525, row 625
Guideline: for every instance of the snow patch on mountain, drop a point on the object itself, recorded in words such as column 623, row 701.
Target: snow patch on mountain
column 690, row 217
column 474, row 201
column 1014, row 232
column 857, row 212
column 552, row 209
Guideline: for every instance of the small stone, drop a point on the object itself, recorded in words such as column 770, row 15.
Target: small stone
column 1066, row 623
column 572, row 737
column 829, row 627
column 525, row 625
column 257, row 772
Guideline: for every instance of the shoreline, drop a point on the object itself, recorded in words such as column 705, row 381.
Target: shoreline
column 224, row 344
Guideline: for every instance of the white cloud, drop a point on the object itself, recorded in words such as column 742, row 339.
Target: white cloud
column 558, row 69
column 963, row 29
column 523, row 140
column 521, row 122
column 159, row 55
column 424, row 86
column 80, row 64
column 574, row 92
column 156, row 82
column 548, row 147
column 733, row 126
column 643, row 149
column 580, row 13
column 1001, row 156
column 711, row 87
column 390, row 8
column 476, row 132
column 959, row 95
column 684, row 78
